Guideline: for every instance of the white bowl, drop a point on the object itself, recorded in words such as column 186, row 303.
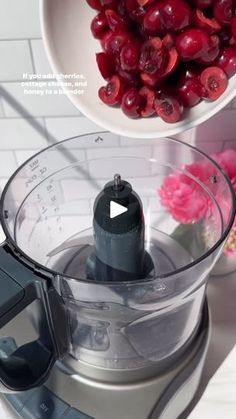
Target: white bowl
column 71, row 49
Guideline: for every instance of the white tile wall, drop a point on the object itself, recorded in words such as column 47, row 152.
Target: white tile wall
column 40, row 58
column 15, row 60
column 19, row 19
column 7, row 163
column 17, row 134
column 61, row 128
column 37, row 104
column 23, row 155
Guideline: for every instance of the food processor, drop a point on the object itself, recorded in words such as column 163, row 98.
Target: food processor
column 103, row 309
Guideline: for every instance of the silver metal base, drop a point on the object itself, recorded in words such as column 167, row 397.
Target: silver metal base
column 164, row 396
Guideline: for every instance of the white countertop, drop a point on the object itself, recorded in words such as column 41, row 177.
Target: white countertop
column 216, row 398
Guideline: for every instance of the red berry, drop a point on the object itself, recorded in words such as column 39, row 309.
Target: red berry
column 131, row 79
column 152, row 22
column 214, row 82
column 148, row 98
column 95, row 4
column 223, row 11
column 109, row 4
column 99, row 25
column 115, row 21
column 171, row 64
column 188, row 92
column 211, row 54
column 168, row 108
column 152, row 56
column 203, row 4
column 170, row 15
column 209, row 24
column 105, row 64
column 192, row 43
column 112, row 93
column 175, row 14
column 227, row 60
column 131, row 103
column 115, row 41
column 134, row 10
column 184, row 49
column 145, row 2
column 129, row 56
column 168, row 41
column 233, row 27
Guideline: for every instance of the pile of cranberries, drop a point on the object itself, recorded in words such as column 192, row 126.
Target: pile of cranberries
column 161, row 56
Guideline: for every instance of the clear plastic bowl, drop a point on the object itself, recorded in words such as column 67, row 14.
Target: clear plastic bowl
column 47, row 215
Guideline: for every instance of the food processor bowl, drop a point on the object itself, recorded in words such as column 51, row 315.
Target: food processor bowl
column 47, row 213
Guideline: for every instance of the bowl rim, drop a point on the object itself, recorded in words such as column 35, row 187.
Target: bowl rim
column 20, row 253
column 115, row 127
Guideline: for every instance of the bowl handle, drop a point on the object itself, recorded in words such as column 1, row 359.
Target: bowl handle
column 30, row 364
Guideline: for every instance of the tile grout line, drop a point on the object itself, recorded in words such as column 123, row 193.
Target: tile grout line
column 20, row 39
column 2, row 109
column 32, row 56
column 15, row 158
column 43, row 116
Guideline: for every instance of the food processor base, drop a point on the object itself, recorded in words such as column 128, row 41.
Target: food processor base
column 68, row 395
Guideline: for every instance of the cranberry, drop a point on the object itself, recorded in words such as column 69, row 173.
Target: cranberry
column 175, row 14
column 170, row 15
column 105, row 38
column 105, row 64
column 211, row 54
column 150, row 80
column 223, row 11
column 233, row 27
column 154, row 79
column 152, row 56
column 227, row 60
column 135, row 11
column 224, row 36
column 192, row 43
column 109, row 4
column 172, row 62
column 214, row 82
column 115, row 41
column 95, row 4
column 145, row 2
column 148, row 98
column 129, row 56
column 152, row 22
column 188, row 92
column 168, row 41
column 115, row 22
column 112, row 93
column 209, row 24
column 99, row 25
column 161, row 55
column 131, row 79
column 131, row 103
column 203, row 4
column 168, row 108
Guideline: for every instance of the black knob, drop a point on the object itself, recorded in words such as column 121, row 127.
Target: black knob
column 118, row 234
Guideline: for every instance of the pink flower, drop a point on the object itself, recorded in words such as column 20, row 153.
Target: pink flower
column 227, row 160
column 187, row 201
column 183, row 199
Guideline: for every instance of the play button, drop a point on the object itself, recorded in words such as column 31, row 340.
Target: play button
column 116, row 209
